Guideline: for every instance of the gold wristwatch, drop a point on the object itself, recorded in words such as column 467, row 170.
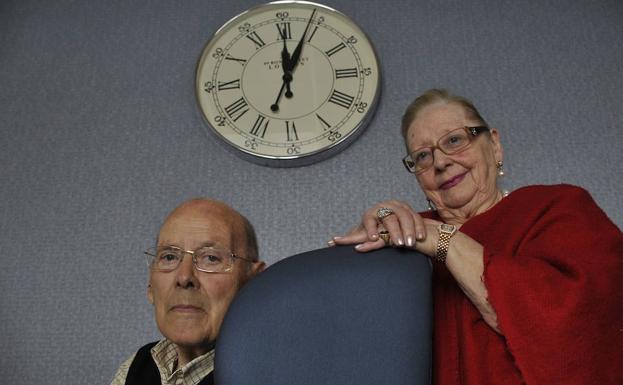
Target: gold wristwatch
column 446, row 232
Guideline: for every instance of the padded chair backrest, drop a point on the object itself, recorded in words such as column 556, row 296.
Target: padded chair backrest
column 331, row 316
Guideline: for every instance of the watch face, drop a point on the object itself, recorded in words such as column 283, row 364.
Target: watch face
column 288, row 83
column 446, row 228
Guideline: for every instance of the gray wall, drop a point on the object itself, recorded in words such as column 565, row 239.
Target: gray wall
column 101, row 136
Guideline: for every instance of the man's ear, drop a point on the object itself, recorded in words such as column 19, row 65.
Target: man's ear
column 258, row 267
column 150, row 294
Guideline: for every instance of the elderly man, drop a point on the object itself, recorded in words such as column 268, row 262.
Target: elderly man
column 205, row 252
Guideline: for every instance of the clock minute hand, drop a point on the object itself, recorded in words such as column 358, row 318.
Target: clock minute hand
column 294, row 60
column 275, row 106
column 287, row 78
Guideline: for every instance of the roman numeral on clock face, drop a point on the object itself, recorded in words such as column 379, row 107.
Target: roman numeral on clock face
column 229, row 85
column 341, row 99
column 257, row 129
column 291, row 131
column 241, row 61
column 255, row 38
column 237, row 109
column 346, row 73
column 284, row 31
column 324, row 122
column 335, row 49
column 312, row 34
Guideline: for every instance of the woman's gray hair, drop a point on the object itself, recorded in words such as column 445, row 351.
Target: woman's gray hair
column 437, row 96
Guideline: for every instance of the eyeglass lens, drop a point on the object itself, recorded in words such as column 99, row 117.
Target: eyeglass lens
column 206, row 258
column 450, row 143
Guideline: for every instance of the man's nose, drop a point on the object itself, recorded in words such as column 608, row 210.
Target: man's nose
column 186, row 273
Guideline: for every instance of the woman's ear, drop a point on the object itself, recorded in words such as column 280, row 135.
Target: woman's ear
column 498, row 150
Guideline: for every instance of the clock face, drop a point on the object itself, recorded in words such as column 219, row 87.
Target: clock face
column 288, row 83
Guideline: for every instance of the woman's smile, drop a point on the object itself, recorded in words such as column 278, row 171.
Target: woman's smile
column 452, row 181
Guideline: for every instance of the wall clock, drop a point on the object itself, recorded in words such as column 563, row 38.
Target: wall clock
column 288, row 83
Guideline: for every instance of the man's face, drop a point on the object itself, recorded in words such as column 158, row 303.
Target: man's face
column 189, row 305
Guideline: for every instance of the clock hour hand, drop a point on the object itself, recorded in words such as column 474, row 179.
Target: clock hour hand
column 285, row 65
column 296, row 55
column 285, row 55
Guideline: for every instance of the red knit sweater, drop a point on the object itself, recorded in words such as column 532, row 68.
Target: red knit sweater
column 554, row 274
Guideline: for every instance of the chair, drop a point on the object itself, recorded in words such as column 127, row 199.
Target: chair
column 331, row 316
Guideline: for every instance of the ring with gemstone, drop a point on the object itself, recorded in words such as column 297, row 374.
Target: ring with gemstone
column 384, row 235
column 383, row 213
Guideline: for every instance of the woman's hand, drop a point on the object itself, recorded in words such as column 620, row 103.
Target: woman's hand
column 405, row 226
column 409, row 229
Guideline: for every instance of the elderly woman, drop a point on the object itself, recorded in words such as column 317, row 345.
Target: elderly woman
column 528, row 287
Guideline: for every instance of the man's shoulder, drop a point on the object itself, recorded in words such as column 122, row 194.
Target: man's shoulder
column 122, row 372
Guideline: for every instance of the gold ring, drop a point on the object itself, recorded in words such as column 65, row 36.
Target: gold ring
column 384, row 235
column 383, row 213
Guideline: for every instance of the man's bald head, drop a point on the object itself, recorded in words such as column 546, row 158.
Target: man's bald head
column 244, row 239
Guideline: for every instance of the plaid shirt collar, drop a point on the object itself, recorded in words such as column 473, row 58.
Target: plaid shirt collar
column 164, row 354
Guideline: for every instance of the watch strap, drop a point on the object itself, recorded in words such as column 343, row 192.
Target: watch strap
column 443, row 242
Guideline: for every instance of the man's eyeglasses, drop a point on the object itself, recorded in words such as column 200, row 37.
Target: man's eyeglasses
column 207, row 259
column 453, row 142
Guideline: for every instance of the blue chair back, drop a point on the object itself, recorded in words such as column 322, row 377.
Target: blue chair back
column 331, row 316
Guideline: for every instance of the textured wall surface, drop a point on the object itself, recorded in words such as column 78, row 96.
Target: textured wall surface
column 101, row 137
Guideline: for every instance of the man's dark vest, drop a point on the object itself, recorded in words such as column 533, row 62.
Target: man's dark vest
column 143, row 370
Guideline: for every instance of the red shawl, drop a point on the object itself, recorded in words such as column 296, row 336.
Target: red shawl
column 554, row 274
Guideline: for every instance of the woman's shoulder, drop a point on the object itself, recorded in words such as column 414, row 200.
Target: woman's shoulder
column 554, row 192
column 562, row 199
column 562, row 188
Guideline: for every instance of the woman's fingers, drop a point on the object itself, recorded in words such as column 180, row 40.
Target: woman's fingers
column 359, row 238
column 404, row 225
column 394, row 226
column 370, row 222
column 420, row 227
column 355, row 236
column 370, row 245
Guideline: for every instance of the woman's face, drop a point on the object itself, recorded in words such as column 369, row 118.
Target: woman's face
column 465, row 181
